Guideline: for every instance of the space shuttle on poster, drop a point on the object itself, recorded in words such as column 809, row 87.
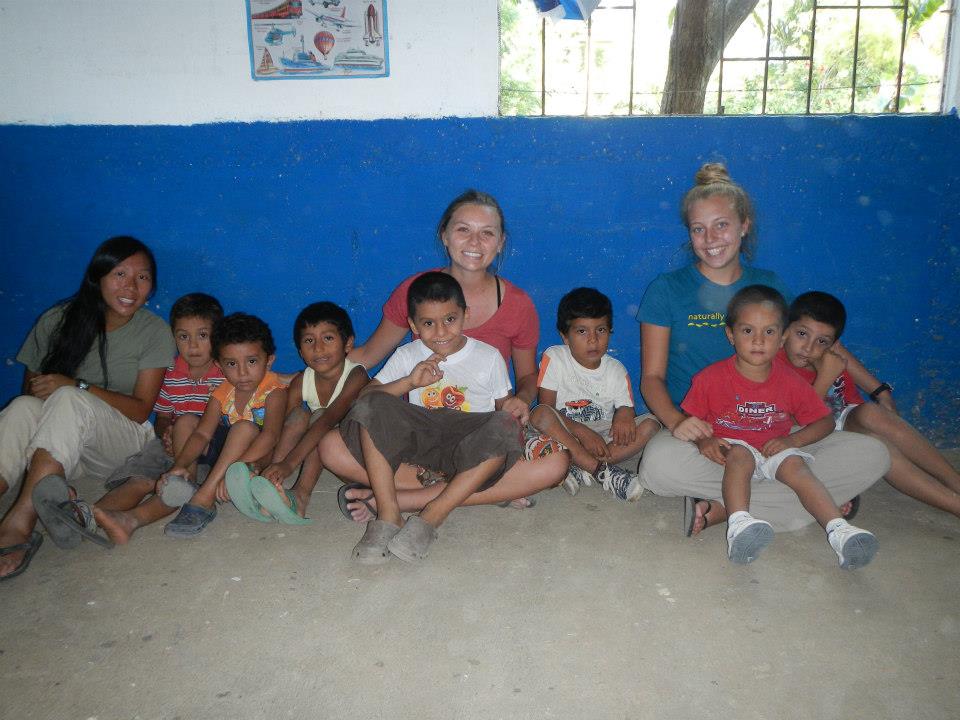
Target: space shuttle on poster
column 317, row 39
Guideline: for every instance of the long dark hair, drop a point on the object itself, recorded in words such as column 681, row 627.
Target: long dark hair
column 84, row 313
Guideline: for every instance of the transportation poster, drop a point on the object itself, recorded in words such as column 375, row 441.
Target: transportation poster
column 317, row 39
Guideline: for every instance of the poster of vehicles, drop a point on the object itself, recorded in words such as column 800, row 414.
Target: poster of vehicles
column 317, row 39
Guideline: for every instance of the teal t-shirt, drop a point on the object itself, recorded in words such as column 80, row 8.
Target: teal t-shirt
column 694, row 308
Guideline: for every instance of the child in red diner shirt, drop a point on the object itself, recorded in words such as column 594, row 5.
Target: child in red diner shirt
column 750, row 402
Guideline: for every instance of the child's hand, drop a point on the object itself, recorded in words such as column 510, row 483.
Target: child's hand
column 775, row 445
column 167, row 440
column 830, row 365
column 623, row 431
column 277, row 473
column 222, row 494
column 175, row 470
column 692, row 429
column 516, row 407
column 426, row 372
column 593, row 443
column 713, row 448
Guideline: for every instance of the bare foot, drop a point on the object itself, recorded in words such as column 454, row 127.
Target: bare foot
column 117, row 524
column 300, row 502
column 846, row 508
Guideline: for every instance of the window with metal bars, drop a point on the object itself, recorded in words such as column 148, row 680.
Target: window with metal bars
column 786, row 57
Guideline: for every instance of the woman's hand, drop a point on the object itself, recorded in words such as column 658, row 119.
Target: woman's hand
column 516, row 407
column 714, row 449
column 42, row 386
column 692, row 429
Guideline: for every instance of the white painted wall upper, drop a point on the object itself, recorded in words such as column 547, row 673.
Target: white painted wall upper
column 180, row 62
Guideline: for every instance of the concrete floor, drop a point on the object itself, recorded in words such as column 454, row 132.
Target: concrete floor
column 579, row 608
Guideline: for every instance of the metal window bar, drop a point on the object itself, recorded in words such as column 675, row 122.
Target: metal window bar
column 903, row 7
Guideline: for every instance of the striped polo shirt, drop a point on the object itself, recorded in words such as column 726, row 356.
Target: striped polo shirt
column 180, row 394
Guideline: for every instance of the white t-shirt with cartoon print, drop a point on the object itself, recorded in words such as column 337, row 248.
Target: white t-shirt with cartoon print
column 587, row 396
column 473, row 377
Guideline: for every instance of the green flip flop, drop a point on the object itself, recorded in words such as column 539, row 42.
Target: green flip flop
column 280, row 506
column 238, row 485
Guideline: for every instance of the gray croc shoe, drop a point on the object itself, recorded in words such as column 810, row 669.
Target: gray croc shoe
column 177, row 491
column 413, row 541
column 372, row 548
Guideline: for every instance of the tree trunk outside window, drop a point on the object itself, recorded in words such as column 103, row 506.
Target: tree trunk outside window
column 695, row 48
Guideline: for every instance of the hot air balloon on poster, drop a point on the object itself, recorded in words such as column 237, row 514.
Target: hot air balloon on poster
column 324, row 42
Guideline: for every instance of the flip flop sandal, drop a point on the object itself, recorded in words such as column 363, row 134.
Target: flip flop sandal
column 854, row 508
column 343, row 500
column 690, row 514
column 372, row 548
column 238, row 485
column 524, row 503
column 77, row 515
column 413, row 541
column 30, row 546
column 48, row 494
column 281, row 507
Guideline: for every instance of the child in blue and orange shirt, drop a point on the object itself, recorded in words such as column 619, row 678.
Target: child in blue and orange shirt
column 250, row 403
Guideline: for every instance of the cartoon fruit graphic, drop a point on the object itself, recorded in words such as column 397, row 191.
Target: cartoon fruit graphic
column 452, row 397
column 430, row 397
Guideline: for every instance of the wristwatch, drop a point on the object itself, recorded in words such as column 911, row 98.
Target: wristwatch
column 83, row 384
column 882, row 387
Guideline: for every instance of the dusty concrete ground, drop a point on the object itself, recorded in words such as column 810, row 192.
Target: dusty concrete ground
column 582, row 607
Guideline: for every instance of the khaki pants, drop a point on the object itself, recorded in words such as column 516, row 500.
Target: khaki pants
column 82, row 432
column 846, row 464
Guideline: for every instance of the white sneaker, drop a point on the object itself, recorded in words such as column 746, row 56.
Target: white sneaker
column 855, row 548
column 622, row 483
column 576, row 477
column 746, row 537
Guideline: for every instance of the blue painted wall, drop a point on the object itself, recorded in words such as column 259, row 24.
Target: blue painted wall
column 271, row 216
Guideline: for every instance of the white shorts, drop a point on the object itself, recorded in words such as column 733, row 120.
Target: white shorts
column 765, row 468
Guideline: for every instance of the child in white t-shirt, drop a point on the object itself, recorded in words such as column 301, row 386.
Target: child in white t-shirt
column 455, row 386
column 586, row 400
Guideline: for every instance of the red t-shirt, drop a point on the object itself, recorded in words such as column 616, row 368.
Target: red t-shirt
column 754, row 412
column 513, row 325
column 842, row 393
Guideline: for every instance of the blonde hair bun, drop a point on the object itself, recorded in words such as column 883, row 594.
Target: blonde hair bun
column 712, row 173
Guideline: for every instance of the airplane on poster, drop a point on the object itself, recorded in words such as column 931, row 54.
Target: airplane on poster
column 339, row 22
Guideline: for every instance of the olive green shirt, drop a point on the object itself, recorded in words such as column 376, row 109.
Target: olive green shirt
column 144, row 342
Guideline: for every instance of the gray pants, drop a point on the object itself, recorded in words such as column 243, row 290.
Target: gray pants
column 80, row 431
column 846, row 463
